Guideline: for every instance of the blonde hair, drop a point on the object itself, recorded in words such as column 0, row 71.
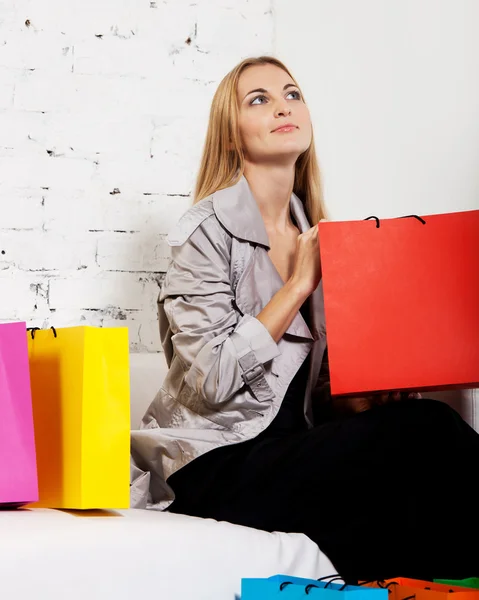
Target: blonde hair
column 222, row 162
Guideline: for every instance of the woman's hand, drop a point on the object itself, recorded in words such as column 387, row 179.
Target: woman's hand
column 345, row 405
column 307, row 264
column 394, row 397
column 280, row 311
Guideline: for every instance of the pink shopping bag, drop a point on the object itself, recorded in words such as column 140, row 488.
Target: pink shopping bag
column 18, row 467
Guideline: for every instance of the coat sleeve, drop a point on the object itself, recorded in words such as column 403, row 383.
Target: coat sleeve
column 220, row 350
column 323, row 407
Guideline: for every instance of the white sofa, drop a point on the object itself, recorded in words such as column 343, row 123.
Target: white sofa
column 124, row 554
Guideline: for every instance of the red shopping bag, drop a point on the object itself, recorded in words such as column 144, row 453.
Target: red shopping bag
column 401, row 302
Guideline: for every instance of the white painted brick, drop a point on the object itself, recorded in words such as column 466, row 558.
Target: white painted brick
column 7, row 91
column 16, row 126
column 132, row 252
column 132, row 174
column 30, row 50
column 41, row 171
column 21, row 208
column 113, row 56
column 168, row 209
column 179, row 140
column 127, row 111
column 19, row 294
column 77, row 134
column 98, row 209
column 8, row 14
column 171, row 22
column 47, row 250
column 232, row 30
column 248, row 9
column 90, row 208
column 112, row 96
column 148, row 336
column 125, row 290
column 167, row 174
column 142, row 331
column 7, row 88
column 210, row 66
column 40, row 91
column 79, row 19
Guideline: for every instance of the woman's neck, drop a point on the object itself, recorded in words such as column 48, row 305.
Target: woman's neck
column 272, row 188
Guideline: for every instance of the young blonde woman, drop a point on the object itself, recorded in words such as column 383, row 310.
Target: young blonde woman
column 243, row 428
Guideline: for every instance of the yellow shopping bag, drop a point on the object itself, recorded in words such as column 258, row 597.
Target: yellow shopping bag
column 80, row 385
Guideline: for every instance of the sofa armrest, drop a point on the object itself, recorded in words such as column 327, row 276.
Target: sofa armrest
column 466, row 402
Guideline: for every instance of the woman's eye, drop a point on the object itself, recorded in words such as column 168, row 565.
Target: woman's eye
column 295, row 94
column 254, row 101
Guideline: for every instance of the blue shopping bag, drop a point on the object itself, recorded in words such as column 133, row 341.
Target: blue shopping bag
column 272, row 589
column 285, row 587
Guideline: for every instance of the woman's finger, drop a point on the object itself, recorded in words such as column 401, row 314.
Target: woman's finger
column 381, row 399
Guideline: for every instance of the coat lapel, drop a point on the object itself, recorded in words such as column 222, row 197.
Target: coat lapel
column 316, row 305
column 258, row 284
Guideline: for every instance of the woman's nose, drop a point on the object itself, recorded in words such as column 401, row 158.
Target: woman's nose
column 282, row 109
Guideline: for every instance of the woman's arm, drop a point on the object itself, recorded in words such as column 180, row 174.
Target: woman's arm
column 278, row 314
column 218, row 350
column 280, row 311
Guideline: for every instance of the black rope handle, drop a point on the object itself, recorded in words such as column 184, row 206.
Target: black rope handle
column 375, row 218
column 332, row 578
column 309, row 587
column 378, row 581
column 331, row 581
column 388, row 586
column 33, row 329
column 284, row 584
column 405, row 217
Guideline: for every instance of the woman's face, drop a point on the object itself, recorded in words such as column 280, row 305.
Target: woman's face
column 274, row 122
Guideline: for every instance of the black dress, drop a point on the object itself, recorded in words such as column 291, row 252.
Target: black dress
column 385, row 493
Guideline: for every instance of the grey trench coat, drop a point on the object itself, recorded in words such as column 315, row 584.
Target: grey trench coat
column 227, row 377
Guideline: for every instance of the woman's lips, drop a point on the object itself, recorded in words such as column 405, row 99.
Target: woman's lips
column 285, row 128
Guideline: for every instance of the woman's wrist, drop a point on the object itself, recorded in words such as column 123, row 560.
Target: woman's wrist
column 297, row 289
column 280, row 311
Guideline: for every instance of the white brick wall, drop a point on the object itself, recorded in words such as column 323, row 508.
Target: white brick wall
column 103, row 111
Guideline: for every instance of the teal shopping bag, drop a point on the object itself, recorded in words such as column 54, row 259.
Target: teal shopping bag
column 271, row 589
column 288, row 588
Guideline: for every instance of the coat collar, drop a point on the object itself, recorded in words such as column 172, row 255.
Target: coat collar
column 237, row 210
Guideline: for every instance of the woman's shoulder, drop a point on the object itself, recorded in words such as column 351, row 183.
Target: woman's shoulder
column 201, row 216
